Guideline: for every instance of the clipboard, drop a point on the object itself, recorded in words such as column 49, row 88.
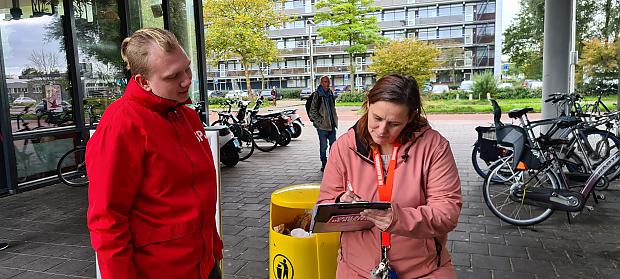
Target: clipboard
column 343, row 217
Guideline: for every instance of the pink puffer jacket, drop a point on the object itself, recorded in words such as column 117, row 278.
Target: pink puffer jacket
column 426, row 202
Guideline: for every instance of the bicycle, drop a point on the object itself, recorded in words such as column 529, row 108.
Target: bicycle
column 71, row 168
column 580, row 143
column 533, row 190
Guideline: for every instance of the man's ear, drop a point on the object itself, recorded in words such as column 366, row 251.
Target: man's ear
column 141, row 80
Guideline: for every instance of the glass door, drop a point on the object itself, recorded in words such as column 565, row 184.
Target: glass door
column 39, row 90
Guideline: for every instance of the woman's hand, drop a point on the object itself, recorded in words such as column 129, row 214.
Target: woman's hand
column 350, row 196
column 382, row 218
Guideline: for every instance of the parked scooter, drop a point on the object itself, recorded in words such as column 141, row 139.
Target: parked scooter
column 282, row 121
column 229, row 144
column 296, row 122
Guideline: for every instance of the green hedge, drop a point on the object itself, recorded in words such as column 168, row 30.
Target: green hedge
column 351, row 97
column 217, row 101
column 503, row 93
column 290, row 93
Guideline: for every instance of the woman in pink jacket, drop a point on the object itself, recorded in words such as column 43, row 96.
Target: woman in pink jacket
column 392, row 154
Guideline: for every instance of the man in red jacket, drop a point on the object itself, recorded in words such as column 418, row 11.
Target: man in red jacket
column 152, row 193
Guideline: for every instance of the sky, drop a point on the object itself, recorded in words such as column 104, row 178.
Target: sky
column 509, row 12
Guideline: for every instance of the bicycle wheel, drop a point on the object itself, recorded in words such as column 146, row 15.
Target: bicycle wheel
column 501, row 200
column 285, row 138
column 603, row 144
column 247, row 144
column 71, row 168
column 266, row 136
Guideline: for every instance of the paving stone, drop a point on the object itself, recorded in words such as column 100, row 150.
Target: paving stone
column 488, row 262
column 470, row 247
column 254, row 269
column 70, row 267
column 541, row 268
column 508, row 251
column 473, row 273
column 487, row 238
column 461, row 259
column 231, row 266
column 498, row 274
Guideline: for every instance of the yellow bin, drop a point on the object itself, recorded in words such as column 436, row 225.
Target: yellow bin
column 290, row 257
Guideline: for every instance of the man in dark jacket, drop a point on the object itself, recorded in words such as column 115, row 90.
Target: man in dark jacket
column 152, row 192
column 324, row 118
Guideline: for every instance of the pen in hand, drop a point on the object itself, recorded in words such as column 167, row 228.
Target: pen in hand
column 351, row 194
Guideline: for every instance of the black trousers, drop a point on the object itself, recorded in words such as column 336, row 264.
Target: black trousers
column 216, row 273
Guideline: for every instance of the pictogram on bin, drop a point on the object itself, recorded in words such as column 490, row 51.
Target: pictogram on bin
column 315, row 256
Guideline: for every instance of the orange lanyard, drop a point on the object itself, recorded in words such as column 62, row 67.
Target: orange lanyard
column 384, row 185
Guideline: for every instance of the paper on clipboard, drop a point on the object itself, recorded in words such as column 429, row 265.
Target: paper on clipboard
column 343, row 217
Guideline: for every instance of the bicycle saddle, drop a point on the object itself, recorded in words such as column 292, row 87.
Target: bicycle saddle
column 518, row 112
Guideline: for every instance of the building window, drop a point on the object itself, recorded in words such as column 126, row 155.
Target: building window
column 488, row 8
column 393, row 15
column 427, row 12
column 324, row 62
column 427, row 34
column 394, row 35
column 293, row 4
column 456, row 32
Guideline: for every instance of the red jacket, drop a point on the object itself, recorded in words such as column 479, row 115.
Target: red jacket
column 426, row 202
column 152, row 193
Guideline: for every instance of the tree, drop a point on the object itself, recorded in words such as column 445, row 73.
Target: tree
column 523, row 40
column 600, row 66
column 409, row 57
column 350, row 22
column 46, row 63
column 239, row 29
column 450, row 57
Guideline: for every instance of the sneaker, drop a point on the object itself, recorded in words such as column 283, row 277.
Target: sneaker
column 3, row 246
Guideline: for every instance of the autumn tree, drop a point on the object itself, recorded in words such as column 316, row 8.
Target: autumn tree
column 240, row 29
column 351, row 22
column 409, row 57
column 599, row 63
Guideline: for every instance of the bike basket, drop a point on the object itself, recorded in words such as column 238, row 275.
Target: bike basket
column 489, row 151
column 486, row 133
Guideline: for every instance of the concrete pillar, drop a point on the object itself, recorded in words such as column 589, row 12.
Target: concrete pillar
column 556, row 52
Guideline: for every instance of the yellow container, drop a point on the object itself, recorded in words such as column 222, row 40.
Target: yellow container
column 290, row 257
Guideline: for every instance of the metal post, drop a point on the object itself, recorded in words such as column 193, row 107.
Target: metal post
column 6, row 136
column 573, row 52
column 73, row 70
column 203, row 79
column 310, row 23
column 556, row 52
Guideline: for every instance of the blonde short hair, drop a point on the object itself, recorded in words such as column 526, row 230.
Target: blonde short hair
column 135, row 48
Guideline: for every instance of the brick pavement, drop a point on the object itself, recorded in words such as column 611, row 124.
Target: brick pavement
column 49, row 239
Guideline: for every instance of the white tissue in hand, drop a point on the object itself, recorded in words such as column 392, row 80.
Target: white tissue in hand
column 298, row 232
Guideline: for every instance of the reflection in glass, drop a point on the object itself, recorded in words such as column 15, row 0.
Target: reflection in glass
column 146, row 13
column 37, row 157
column 35, row 64
column 98, row 30
column 182, row 25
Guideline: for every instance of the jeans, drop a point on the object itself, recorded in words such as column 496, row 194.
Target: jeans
column 323, row 137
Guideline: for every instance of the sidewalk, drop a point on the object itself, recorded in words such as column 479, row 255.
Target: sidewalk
column 48, row 236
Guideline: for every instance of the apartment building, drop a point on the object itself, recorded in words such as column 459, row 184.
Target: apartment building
column 472, row 28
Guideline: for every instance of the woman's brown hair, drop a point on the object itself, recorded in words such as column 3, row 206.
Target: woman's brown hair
column 396, row 89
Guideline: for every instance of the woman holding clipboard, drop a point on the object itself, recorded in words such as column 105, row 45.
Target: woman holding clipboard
column 392, row 154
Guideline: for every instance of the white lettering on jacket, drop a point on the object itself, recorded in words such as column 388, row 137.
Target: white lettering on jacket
column 200, row 136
